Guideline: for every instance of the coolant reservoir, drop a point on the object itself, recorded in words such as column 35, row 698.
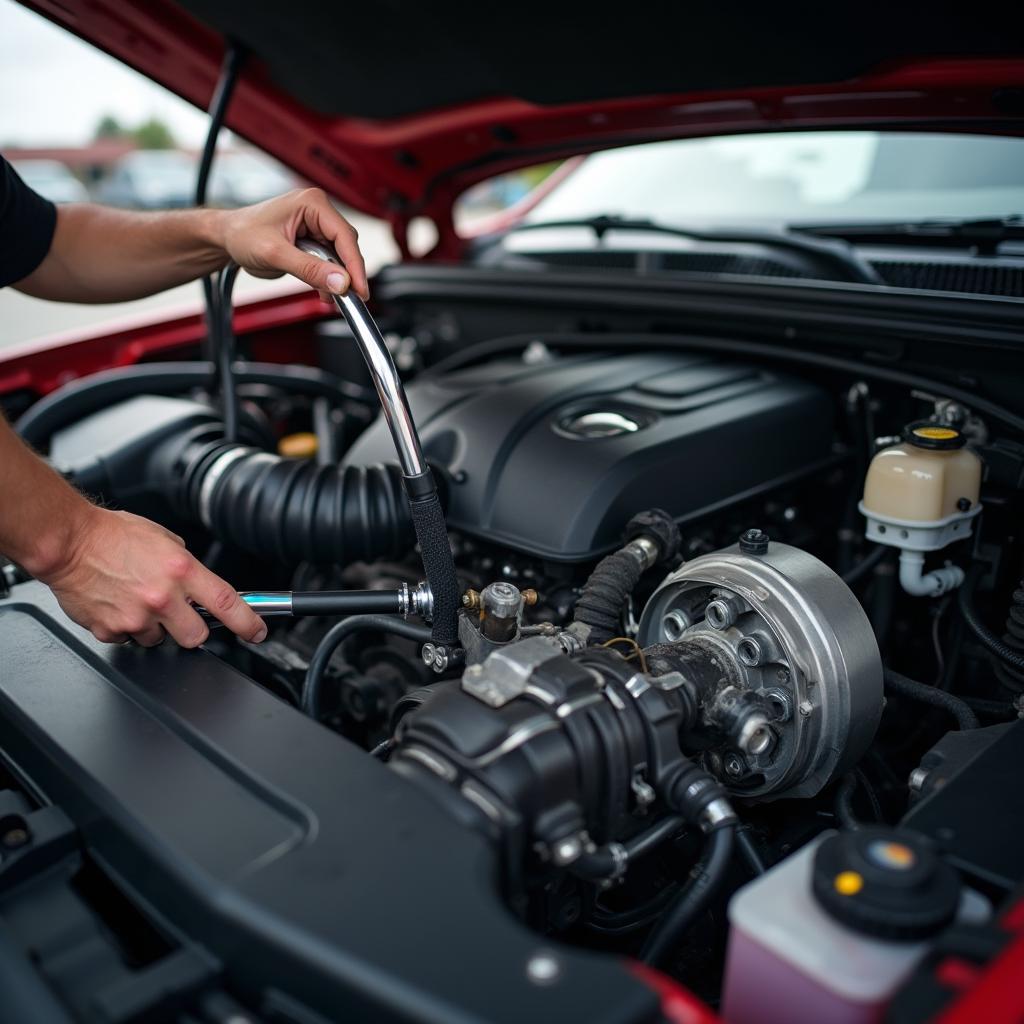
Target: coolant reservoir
column 922, row 494
column 833, row 931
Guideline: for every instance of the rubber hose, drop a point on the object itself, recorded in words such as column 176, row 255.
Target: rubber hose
column 906, row 687
column 865, row 565
column 1012, row 678
column 844, row 803
column 292, row 509
column 750, row 852
column 694, row 899
column 336, row 636
column 78, row 399
column 1003, row 651
column 605, row 594
column 595, row 865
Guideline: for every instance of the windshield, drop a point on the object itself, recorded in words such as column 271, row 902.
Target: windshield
column 796, row 178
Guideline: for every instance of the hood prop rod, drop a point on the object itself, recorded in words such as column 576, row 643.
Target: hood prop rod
column 420, row 486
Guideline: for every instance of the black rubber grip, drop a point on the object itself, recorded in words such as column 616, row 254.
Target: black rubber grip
column 346, row 602
column 432, row 534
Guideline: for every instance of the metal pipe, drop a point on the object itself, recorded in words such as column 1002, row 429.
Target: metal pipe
column 381, row 366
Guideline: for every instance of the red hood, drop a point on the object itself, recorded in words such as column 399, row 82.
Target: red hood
column 396, row 111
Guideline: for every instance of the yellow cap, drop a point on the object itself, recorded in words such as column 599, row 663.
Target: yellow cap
column 936, row 433
column 848, row 883
column 298, row 446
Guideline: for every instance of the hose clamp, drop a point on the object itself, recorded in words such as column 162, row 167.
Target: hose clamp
column 213, row 476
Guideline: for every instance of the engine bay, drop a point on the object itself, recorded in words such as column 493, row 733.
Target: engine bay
column 718, row 644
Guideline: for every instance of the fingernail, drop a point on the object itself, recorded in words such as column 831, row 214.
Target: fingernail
column 261, row 634
column 337, row 283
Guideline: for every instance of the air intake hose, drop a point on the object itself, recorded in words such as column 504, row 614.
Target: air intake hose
column 291, row 509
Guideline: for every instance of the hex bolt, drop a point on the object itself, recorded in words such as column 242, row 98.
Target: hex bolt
column 805, row 708
column 755, row 735
column 917, row 779
column 750, row 652
column 14, row 838
column 674, row 624
column 566, row 851
column 543, row 969
column 721, row 613
column 780, row 702
column 733, row 765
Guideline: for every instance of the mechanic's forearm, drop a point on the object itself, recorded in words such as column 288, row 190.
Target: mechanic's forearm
column 104, row 255
column 40, row 512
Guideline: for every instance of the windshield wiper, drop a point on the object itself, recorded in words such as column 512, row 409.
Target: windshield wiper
column 840, row 261
column 985, row 234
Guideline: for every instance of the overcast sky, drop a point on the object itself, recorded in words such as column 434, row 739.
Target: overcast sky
column 54, row 87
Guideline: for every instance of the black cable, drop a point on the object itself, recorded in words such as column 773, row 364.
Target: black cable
column 224, row 352
column 906, row 687
column 844, row 799
column 750, row 852
column 965, row 602
column 81, row 397
column 844, row 802
column 340, row 632
column 601, row 863
column 642, row 844
column 1000, row 709
column 693, row 900
column 865, row 565
column 234, row 58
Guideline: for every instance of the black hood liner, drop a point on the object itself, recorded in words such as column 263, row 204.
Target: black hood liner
column 389, row 59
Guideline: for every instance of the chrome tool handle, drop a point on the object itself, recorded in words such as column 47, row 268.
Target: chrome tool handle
column 381, row 366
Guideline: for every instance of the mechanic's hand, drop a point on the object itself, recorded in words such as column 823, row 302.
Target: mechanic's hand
column 129, row 577
column 261, row 239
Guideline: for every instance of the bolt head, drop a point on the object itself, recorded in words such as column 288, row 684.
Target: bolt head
column 566, row 851
column 14, row 838
column 427, row 654
column 733, row 765
column 720, row 613
column 805, row 708
column 754, row 542
column 543, row 969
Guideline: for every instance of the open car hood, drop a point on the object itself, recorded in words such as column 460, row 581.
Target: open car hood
column 396, row 108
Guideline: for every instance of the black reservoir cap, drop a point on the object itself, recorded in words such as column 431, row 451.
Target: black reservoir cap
column 885, row 882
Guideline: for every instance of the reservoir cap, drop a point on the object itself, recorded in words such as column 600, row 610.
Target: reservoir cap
column 936, row 436
column 885, row 882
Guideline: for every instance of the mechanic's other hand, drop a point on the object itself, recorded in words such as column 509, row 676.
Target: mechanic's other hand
column 261, row 239
column 128, row 577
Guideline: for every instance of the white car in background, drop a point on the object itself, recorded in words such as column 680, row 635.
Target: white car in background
column 52, row 180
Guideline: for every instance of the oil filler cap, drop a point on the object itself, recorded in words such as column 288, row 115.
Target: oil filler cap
column 889, row 883
column 935, row 436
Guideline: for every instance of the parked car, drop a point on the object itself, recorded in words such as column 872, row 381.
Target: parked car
column 52, row 180
column 702, row 698
column 150, row 179
column 242, row 178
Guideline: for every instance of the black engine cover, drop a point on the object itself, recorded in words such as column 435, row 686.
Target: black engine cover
column 553, row 459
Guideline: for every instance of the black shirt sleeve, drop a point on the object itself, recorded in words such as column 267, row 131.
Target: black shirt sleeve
column 27, row 222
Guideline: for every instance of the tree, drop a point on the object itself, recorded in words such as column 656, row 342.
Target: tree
column 109, row 128
column 153, row 134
